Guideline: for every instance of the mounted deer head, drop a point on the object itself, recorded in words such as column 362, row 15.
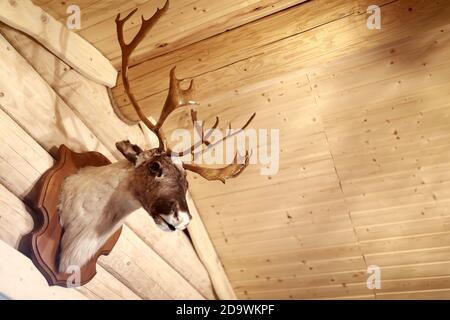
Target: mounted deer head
column 95, row 201
column 161, row 184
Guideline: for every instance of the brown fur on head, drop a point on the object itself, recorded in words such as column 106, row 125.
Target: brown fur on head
column 160, row 185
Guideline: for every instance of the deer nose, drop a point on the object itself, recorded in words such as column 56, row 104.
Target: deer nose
column 178, row 219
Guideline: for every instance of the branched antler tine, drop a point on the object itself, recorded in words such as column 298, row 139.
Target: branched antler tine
column 229, row 135
column 176, row 98
column 146, row 25
column 200, row 130
column 204, row 138
column 127, row 49
column 231, row 171
column 197, row 128
column 120, row 23
column 210, row 131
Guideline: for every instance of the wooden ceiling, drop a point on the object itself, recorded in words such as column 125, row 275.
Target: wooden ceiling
column 363, row 118
column 186, row 21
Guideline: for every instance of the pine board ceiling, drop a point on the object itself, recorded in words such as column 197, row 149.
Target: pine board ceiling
column 363, row 119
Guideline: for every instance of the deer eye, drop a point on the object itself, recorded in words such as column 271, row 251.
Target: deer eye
column 155, row 168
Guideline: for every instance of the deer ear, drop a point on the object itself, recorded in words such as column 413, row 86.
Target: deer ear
column 130, row 151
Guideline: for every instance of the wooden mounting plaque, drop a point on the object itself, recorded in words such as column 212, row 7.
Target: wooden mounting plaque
column 42, row 245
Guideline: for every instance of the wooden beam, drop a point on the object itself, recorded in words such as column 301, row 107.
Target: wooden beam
column 141, row 268
column 207, row 253
column 20, row 280
column 89, row 100
column 69, row 46
column 32, row 103
column 175, row 249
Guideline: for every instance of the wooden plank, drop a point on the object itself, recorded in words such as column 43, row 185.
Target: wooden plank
column 328, row 292
column 301, row 281
column 311, row 47
column 176, row 249
column 423, row 241
column 105, row 286
column 205, row 249
column 241, row 235
column 145, row 271
column 409, row 257
column 24, row 91
column 396, row 188
column 16, row 220
column 409, row 212
column 417, row 295
column 222, row 50
column 274, row 270
column 422, row 226
column 58, row 9
column 22, row 160
column 20, row 280
column 425, row 270
column 185, row 22
column 89, row 101
column 67, row 45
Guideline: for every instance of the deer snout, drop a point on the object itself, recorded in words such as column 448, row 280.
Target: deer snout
column 171, row 215
column 178, row 219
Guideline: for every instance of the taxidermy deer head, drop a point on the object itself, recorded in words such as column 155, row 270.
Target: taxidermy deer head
column 95, row 201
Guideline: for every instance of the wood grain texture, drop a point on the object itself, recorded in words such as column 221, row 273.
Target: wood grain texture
column 149, row 77
column 34, row 93
column 186, row 22
column 24, row 91
column 21, row 280
column 90, row 102
column 364, row 158
column 70, row 47
column 87, row 99
column 205, row 249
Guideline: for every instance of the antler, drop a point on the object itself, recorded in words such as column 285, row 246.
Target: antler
column 204, row 137
column 231, row 171
column 176, row 97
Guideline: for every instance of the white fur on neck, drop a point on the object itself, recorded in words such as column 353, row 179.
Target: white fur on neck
column 95, row 196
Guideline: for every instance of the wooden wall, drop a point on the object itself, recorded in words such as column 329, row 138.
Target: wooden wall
column 45, row 103
column 363, row 118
